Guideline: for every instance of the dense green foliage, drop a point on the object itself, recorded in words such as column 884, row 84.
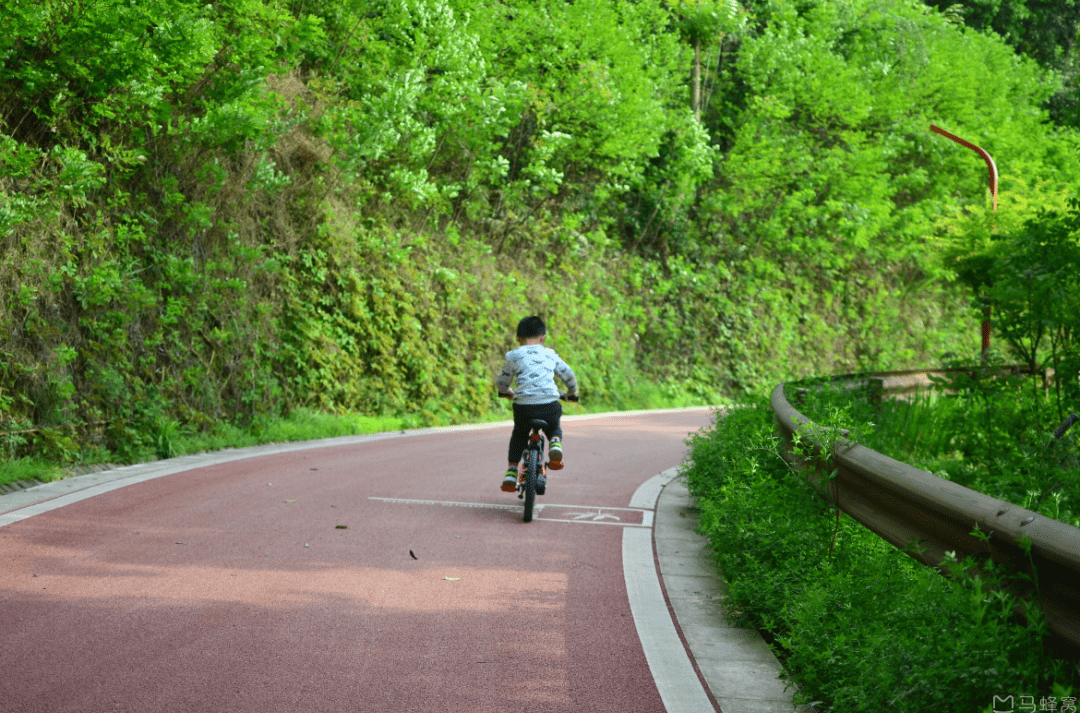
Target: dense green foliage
column 1023, row 272
column 985, row 427
column 215, row 213
column 982, row 426
column 1046, row 30
column 859, row 625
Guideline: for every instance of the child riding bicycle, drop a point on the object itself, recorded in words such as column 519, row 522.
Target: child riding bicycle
column 534, row 366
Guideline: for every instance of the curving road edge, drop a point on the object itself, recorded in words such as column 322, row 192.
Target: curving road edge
column 699, row 661
column 674, row 674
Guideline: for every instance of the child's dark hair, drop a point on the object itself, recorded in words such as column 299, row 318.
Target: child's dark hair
column 531, row 327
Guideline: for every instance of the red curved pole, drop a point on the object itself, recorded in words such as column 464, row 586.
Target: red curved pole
column 985, row 156
column 993, row 191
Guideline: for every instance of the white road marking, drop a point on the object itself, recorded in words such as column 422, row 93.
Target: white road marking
column 586, row 514
column 627, row 525
column 489, row 506
column 678, row 682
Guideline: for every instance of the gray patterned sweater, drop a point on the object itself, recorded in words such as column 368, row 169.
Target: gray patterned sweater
column 535, row 366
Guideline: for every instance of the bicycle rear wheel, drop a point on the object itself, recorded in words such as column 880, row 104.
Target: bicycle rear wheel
column 532, row 472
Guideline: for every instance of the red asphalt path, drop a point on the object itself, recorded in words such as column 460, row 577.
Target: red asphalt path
column 286, row 583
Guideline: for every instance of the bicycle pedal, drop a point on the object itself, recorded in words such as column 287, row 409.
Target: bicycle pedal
column 555, row 465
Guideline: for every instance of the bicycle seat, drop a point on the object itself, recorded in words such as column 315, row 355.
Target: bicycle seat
column 538, row 423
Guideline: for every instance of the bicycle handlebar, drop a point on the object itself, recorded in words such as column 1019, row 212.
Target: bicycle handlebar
column 574, row 398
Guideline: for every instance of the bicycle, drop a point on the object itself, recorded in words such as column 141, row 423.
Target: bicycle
column 532, row 471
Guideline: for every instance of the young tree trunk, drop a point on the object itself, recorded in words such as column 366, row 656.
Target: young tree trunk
column 695, row 82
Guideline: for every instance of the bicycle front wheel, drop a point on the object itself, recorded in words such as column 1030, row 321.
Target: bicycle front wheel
column 532, row 472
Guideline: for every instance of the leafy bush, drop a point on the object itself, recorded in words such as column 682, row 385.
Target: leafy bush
column 858, row 625
column 985, row 426
column 1022, row 271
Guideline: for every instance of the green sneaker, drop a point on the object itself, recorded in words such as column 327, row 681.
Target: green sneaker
column 555, row 454
column 509, row 483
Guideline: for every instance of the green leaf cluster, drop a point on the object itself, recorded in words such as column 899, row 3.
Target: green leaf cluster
column 1045, row 31
column 1022, row 271
column 825, row 201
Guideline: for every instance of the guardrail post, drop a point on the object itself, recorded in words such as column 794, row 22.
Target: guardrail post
column 876, row 386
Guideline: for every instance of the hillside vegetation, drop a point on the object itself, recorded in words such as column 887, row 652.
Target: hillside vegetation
column 215, row 213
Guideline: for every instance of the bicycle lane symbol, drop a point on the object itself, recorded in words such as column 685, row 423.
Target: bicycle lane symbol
column 590, row 515
column 596, row 517
column 627, row 517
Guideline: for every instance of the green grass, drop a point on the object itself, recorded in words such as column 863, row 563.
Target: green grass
column 29, row 469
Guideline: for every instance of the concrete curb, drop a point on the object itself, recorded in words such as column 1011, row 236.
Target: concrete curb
column 670, row 662
column 741, row 672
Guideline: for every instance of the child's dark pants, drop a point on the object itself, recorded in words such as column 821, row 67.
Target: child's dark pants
column 523, row 413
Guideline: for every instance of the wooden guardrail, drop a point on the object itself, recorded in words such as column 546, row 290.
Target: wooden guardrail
column 927, row 516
